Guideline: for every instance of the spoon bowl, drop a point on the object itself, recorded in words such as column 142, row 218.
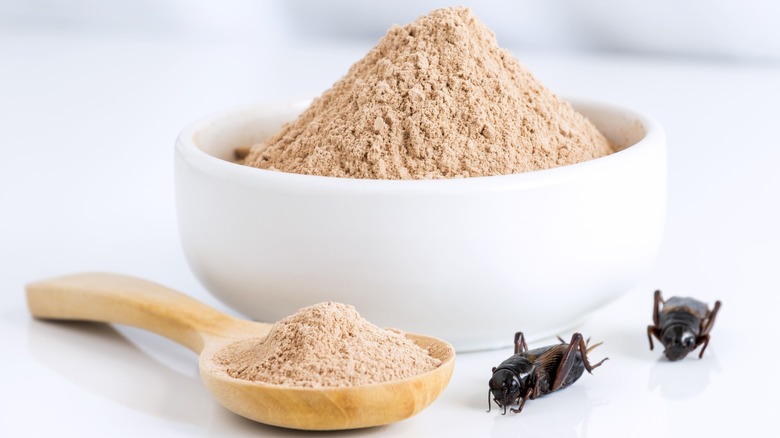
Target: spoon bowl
column 114, row 298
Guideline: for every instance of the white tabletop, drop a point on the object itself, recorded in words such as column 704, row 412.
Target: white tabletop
column 87, row 127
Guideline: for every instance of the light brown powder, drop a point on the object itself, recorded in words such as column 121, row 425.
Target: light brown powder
column 437, row 98
column 326, row 345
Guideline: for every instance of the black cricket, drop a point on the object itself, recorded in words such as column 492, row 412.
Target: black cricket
column 533, row 373
column 681, row 324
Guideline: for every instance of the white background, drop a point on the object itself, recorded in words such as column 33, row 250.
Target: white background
column 91, row 100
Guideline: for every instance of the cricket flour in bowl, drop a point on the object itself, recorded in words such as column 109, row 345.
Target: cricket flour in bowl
column 465, row 231
column 437, row 98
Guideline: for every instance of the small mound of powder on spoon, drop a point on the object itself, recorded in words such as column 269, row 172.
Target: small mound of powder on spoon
column 437, row 98
column 326, row 345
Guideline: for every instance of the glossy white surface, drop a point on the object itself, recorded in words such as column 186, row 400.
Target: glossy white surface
column 430, row 256
column 86, row 184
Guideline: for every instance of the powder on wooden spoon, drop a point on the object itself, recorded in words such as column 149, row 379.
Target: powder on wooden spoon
column 326, row 345
column 437, row 98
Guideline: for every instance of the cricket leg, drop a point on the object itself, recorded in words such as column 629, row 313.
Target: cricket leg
column 706, row 325
column 567, row 361
column 657, row 301
column 584, row 352
column 702, row 340
column 520, row 345
column 522, row 402
column 569, row 357
column 653, row 330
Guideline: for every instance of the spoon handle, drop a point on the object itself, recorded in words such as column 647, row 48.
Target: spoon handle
column 121, row 299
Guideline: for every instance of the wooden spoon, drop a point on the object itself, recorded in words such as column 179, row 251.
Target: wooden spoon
column 126, row 300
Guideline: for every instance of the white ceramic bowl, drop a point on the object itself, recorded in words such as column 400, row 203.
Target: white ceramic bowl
column 469, row 260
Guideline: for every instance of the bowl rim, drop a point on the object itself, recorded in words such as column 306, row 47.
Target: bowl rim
column 188, row 151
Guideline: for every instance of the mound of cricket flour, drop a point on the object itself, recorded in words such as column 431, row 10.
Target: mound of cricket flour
column 326, row 345
column 437, row 98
